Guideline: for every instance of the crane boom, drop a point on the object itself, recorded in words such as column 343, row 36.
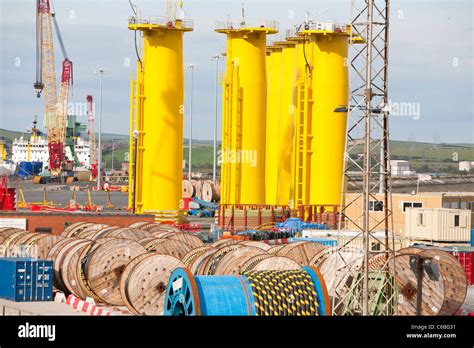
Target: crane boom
column 56, row 106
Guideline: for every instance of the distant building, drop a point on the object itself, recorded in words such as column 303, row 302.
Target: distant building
column 465, row 166
column 403, row 201
column 401, row 168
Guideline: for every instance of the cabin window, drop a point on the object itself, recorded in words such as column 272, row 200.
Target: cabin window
column 412, row 205
column 375, row 206
column 456, row 220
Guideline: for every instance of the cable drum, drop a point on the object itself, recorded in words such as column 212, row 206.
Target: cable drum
column 232, row 262
column 257, row 244
column 301, row 252
column 145, row 283
column 263, row 293
column 105, row 265
column 268, row 262
column 444, row 283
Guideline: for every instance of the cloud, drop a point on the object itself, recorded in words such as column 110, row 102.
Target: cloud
column 423, row 44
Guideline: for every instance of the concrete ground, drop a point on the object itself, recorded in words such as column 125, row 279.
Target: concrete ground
column 36, row 308
column 61, row 194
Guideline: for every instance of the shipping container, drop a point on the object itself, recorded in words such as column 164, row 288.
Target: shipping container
column 440, row 224
column 26, row 279
column 324, row 241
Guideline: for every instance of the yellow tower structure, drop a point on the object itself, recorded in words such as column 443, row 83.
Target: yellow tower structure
column 286, row 121
column 157, row 115
column 302, row 136
column 329, row 43
column 3, row 151
column 244, row 112
column 274, row 72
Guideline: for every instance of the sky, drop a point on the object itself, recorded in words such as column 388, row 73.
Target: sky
column 430, row 56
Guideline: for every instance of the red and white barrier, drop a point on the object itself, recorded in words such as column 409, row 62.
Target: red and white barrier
column 90, row 308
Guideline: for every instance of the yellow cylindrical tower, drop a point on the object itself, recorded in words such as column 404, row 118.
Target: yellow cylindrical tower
column 273, row 116
column 244, row 113
column 330, row 91
column 159, row 115
column 302, row 137
column 286, row 121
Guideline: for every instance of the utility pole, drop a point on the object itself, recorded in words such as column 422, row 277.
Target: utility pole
column 216, row 57
column 101, row 72
column 112, row 168
column 191, row 67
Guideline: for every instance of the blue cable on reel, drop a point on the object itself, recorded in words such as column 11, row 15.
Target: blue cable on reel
column 301, row 292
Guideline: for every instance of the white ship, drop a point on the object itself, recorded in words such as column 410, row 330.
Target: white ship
column 35, row 149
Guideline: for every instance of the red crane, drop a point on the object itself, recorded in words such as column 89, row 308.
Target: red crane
column 55, row 106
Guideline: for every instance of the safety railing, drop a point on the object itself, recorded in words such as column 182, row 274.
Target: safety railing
column 327, row 26
column 162, row 21
column 322, row 214
column 247, row 23
column 240, row 217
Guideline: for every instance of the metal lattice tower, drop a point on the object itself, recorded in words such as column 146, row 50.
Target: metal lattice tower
column 364, row 283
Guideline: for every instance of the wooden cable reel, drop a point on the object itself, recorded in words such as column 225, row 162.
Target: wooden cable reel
column 129, row 233
column 140, row 224
column 57, row 258
column 275, row 249
column 18, row 247
column 102, row 232
column 188, row 189
column 439, row 297
column 301, row 252
column 198, row 189
column 154, row 226
column 197, row 263
column 74, row 228
column 257, row 244
column 68, row 264
column 73, row 275
column 105, row 265
column 232, row 262
column 319, row 258
column 224, row 242
column 9, row 242
column 194, row 253
column 90, row 230
column 5, row 232
column 151, row 243
column 124, row 279
column 43, row 244
column 171, row 247
column 337, row 270
column 210, row 192
column 146, row 281
column 269, row 262
column 192, row 241
column 208, row 267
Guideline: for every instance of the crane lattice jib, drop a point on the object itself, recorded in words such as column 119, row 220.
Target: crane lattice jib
column 49, row 80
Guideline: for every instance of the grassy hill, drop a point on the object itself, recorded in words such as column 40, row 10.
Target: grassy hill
column 422, row 156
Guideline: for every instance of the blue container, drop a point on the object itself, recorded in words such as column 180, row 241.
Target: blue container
column 26, row 279
column 37, row 167
column 472, row 238
column 323, row 241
